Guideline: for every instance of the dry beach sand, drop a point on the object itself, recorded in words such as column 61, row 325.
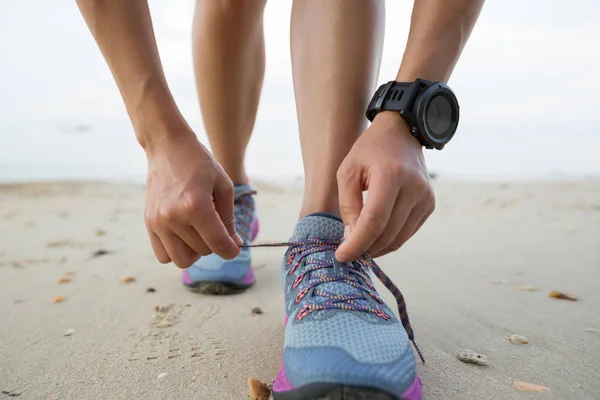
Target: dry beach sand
column 460, row 275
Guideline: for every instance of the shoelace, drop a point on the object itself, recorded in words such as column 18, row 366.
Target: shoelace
column 305, row 248
column 243, row 208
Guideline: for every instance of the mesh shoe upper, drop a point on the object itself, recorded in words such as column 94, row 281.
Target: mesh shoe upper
column 338, row 329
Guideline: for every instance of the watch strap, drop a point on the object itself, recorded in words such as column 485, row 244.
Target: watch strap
column 395, row 96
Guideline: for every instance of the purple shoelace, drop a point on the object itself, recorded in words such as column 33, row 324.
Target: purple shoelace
column 357, row 277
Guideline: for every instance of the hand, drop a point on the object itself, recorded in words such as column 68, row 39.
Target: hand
column 189, row 203
column 388, row 162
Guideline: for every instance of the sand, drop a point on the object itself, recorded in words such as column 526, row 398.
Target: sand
column 460, row 275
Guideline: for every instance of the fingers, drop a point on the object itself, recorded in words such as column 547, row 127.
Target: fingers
column 417, row 217
column 224, row 200
column 192, row 238
column 191, row 228
column 350, row 192
column 373, row 218
column 181, row 254
column 159, row 250
column 402, row 209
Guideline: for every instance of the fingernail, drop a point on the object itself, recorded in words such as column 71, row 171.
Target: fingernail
column 340, row 259
column 238, row 240
column 347, row 230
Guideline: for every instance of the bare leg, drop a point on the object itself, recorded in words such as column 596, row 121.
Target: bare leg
column 229, row 63
column 336, row 52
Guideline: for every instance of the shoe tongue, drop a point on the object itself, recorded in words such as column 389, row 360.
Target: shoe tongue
column 322, row 226
column 325, row 226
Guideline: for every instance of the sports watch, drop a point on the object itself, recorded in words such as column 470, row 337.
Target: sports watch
column 430, row 109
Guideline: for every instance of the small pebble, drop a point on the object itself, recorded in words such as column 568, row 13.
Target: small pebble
column 64, row 279
column 560, row 295
column 499, row 281
column 469, row 356
column 528, row 288
column 517, row 339
column 99, row 253
column 57, row 299
column 150, row 290
column 163, row 375
column 128, row 279
column 100, row 232
column 162, row 309
column 69, row 332
column 529, row 387
column 257, row 310
column 258, row 390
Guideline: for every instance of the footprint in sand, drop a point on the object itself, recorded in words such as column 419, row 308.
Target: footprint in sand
column 162, row 342
column 214, row 347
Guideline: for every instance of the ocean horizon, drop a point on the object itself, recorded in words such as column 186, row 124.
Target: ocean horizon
column 86, row 150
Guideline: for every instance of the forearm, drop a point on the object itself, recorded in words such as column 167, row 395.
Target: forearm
column 439, row 30
column 124, row 33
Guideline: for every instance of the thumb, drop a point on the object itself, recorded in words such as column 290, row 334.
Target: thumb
column 351, row 199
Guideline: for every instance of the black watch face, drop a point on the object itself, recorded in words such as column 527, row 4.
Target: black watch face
column 440, row 117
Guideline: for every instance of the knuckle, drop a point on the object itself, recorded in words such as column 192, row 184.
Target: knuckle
column 164, row 215
column 151, row 219
column 151, row 223
column 374, row 220
column 345, row 172
column 418, row 181
column 431, row 200
column 190, row 204
column 228, row 190
column 148, row 216
column 397, row 169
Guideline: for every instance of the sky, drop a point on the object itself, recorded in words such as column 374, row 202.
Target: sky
column 527, row 84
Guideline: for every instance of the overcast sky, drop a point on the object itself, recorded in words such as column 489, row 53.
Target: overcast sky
column 531, row 67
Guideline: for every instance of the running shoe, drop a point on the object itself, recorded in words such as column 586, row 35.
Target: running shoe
column 214, row 275
column 341, row 340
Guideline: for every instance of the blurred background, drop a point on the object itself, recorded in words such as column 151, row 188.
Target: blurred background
column 89, row 313
column 527, row 83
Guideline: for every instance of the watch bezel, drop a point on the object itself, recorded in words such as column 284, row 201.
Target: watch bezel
column 421, row 107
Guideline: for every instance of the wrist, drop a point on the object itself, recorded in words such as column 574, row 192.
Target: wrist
column 392, row 121
column 157, row 121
